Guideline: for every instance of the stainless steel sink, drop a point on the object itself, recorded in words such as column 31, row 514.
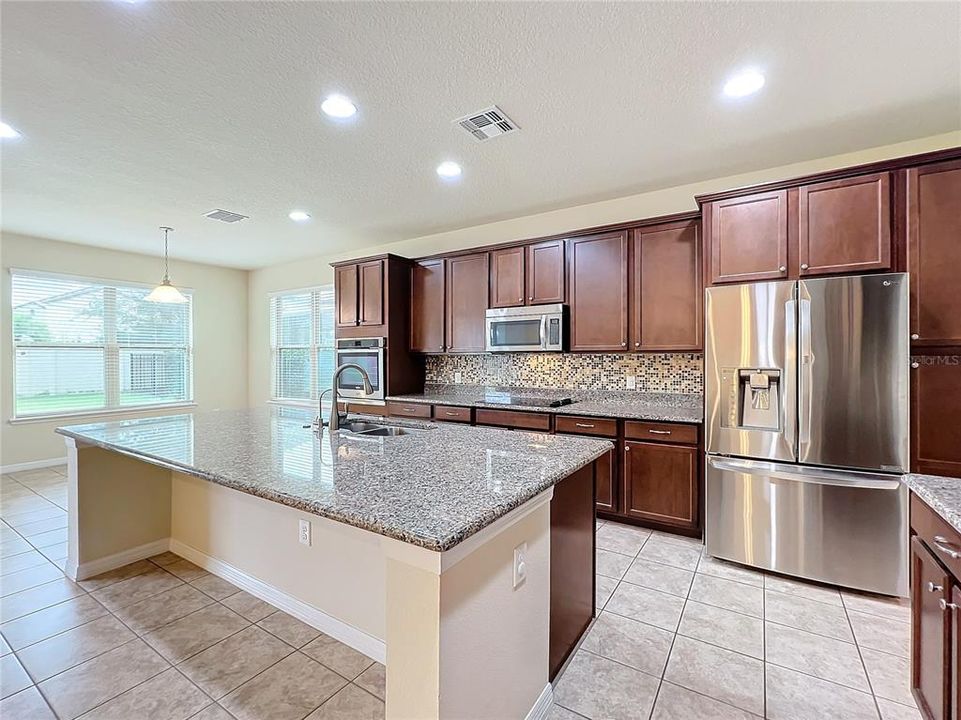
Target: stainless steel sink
column 359, row 426
column 368, row 429
column 387, row 431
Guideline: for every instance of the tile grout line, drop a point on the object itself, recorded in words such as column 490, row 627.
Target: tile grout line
column 864, row 668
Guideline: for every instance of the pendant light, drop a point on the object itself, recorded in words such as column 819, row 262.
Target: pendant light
column 165, row 292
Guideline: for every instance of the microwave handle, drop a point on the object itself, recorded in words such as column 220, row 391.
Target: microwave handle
column 544, row 331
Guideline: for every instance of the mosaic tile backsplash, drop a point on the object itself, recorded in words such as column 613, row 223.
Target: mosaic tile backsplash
column 681, row 373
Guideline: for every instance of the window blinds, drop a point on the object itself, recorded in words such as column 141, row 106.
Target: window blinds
column 82, row 345
column 302, row 343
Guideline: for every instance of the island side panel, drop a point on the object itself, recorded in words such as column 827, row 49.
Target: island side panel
column 118, row 510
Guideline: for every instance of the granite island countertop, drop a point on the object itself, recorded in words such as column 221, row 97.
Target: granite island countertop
column 942, row 494
column 626, row 405
column 433, row 487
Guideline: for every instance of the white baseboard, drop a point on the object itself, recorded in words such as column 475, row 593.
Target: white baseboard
column 111, row 562
column 33, row 465
column 359, row 640
column 542, row 706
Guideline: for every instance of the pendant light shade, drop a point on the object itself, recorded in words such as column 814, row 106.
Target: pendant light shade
column 165, row 292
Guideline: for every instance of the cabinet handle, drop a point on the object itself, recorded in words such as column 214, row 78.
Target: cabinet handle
column 624, row 344
column 783, row 268
column 660, row 432
column 945, row 605
column 915, row 365
column 637, row 344
column 942, row 544
column 915, row 336
column 804, row 266
column 520, row 299
column 440, row 347
column 451, row 413
column 935, row 588
column 627, row 448
column 531, row 298
column 584, row 425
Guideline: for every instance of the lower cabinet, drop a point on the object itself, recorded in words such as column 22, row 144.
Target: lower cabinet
column 661, row 483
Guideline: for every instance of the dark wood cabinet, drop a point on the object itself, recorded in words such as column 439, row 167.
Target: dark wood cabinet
column 467, row 302
column 748, row 237
column 427, row 302
column 661, row 483
column 597, row 281
column 545, row 272
column 844, row 226
column 666, row 287
column 371, row 295
column 508, row 275
column 605, row 487
column 346, row 295
column 935, row 409
column 513, row 419
column 933, row 227
column 931, row 634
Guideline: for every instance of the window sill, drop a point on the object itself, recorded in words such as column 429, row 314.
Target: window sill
column 27, row 419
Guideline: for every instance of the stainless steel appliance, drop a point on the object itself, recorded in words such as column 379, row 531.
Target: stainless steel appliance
column 536, row 328
column 806, row 402
column 368, row 353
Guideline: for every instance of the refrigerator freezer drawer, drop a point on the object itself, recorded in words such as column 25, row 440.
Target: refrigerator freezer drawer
column 838, row 527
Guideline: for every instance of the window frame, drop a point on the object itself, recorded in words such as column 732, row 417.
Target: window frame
column 313, row 347
column 110, row 348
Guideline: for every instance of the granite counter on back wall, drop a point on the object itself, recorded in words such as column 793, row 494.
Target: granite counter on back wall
column 942, row 494
column 626, row 405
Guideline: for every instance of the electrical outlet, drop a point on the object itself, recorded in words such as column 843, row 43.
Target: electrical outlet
column 520, row 565
column 458, row 377
column 304, row 534
column 631, row 382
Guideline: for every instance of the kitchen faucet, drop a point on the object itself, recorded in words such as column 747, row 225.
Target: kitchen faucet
column 335, row 418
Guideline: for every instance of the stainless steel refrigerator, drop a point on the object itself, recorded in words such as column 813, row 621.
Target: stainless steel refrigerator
column 806, row 403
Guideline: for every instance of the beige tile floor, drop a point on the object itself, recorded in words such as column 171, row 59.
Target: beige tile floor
column 680, row 636
column 160, row 639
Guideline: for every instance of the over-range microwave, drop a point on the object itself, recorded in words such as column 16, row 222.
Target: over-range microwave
column 369, row 354
column 536, row 328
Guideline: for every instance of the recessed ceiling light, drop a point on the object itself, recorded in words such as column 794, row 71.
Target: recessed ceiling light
column 746, row 82
column 7, row 132
column 298, row 216
column 449, row 170
column 338, row 106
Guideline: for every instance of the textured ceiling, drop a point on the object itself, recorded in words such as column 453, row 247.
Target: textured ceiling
column 139, row 114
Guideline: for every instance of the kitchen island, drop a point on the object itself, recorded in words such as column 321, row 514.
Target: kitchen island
column 461, row 556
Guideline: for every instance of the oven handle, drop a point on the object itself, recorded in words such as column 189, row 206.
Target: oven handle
column 817, row 476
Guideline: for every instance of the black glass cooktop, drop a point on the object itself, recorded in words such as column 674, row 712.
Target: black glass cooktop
column 503, row 399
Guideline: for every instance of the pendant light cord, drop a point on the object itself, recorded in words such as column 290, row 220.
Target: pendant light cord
column 166, row 256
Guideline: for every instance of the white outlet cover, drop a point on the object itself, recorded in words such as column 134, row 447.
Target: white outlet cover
column 458, row 377
column 304, row 533
column 520, row 565
column 631, row 382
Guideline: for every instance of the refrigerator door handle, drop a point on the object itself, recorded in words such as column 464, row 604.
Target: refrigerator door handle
column 807, row 474
column 805, row 373
column 789, row 390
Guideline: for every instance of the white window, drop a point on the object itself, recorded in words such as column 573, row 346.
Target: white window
column 83, row 346
column 302, row 344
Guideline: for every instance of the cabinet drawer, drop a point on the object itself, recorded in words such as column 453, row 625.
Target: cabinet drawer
column 661, row 432
column 408, row 409
column 942, row 540
column 451, row 413
column 513, row 419
column 579, row 425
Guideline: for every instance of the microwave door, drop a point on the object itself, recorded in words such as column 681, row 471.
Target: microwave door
column 514, row 333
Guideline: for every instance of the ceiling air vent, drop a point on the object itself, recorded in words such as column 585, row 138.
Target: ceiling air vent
column 225, row 216
column 488, row 123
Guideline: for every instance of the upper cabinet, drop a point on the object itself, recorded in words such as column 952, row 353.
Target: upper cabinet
column 427, row 301
column 934, row 252
column 597, row 282
column 467, row 302
column 748, row 237
column 844, row 226
column 527, row 275
column 359, row 294
column 666, row 287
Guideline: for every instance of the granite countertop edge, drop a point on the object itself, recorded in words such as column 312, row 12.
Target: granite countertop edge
column 942, row 494
column 480, row 522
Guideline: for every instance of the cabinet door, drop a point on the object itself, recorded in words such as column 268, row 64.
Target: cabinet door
column 660, row 482
column 934, row 252
column 545, row 272
column 507, row 277
column 467, row 295
column 930, row 634
column 427, row 296
column 935, row 409
column 597, row 271
column 605, row 489
column 371, row 276
column 666, row 287
column 748, row 238
column 955, row 659
column 345, row 290
column 844, row 226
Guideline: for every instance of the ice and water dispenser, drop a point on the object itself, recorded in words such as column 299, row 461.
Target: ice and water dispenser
column 753, row 398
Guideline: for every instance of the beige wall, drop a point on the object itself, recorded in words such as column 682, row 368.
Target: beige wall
column 315, row 271
column 220, row 329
